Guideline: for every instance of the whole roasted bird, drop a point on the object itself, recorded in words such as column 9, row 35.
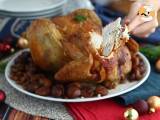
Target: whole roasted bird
column 77, row 48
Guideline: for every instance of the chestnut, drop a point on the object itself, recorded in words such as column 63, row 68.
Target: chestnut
column 57, row 90
column 110, row 84
column 138, row 74
column 45, row 82
column 43, row 91
column 87, row 91
column 76, row 84
column 101, row 90
column 73, row 92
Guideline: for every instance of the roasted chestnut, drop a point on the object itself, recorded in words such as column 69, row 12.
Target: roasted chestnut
column 57, row 90
column 73, row 92
column 101, row 90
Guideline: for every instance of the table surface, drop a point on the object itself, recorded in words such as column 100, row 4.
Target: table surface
column 8, row 113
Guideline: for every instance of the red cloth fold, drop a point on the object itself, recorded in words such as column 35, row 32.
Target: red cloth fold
column 103, row 110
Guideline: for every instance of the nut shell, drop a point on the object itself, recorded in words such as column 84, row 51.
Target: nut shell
column 73, row 92
column 101, row 90
column 57, row 90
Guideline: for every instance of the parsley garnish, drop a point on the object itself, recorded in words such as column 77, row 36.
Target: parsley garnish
column 80, row 18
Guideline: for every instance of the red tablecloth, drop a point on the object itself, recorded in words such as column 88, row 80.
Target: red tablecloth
column 103, row 110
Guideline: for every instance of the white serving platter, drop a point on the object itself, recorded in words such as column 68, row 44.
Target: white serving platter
column 29, row 5
column 119, row 90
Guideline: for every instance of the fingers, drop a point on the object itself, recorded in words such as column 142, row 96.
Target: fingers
column 139, row 25
column 133, row 11
column 135, row 23
column 143, row 28
column 145, row 34
column 139, row 20
column 147, row 27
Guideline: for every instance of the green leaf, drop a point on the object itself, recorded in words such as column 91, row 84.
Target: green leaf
column 151, row 52
column 80, row 18
column 3, row 66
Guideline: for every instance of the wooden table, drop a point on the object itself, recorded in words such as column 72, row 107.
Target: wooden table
column 8, row 113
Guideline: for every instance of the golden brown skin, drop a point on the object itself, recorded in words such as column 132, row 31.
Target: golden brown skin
column 50, row 43
column 133, row 46
column 78, row 46
column 117, row 66
column 77, row 33
column 111, row 67
column 76, row 70
column 65, row 45
column 124, row 60
column 68, row 25
column 91, row 15
column 44, row 43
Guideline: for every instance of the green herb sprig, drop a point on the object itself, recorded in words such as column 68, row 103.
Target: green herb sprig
column 80, row 18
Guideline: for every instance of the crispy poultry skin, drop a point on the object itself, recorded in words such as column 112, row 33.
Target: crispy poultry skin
column 118, row 65
column 76, row 33
column 78, row 47
column 44, row 43
column 76, row 70
column 68, row 25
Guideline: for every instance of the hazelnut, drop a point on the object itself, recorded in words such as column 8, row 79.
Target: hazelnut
column 101, row 90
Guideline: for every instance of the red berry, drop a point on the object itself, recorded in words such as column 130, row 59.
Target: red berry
column 141, row 106
column 7, row 46
column 2, row 96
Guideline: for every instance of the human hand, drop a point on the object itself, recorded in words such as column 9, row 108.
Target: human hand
column 139, row 25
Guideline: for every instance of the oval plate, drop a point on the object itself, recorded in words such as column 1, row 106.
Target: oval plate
column 119, row 90
column 29, row 6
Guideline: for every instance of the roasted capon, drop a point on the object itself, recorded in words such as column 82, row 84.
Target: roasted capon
column 76, row 48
